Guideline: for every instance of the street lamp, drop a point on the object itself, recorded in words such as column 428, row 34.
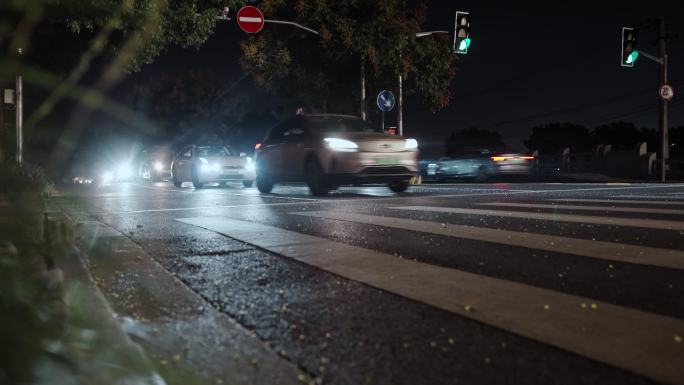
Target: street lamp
column 400, row 98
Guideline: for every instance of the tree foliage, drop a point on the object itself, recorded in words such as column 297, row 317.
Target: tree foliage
column 141, row 29
column 551, row 138
column 192, row 106
column 326, row 67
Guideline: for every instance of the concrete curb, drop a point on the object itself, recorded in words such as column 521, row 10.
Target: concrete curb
column 171, row 323
column 59, row 235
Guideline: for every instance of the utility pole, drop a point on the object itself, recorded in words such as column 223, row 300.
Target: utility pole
column 400, row 113
column 363, row 90
column 19, row 123
column 662, row 103
column 2, row 122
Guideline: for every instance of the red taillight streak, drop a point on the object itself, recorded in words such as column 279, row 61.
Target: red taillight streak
column 257, row 146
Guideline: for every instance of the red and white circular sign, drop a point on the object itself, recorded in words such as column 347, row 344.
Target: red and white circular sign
column 666, row 92
column 250, row 19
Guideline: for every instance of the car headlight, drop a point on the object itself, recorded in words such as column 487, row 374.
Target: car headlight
column 249, row 167
column 337, row 144
column 123, row 172
column 107, row 176
column 158, row 166
column 411, row 144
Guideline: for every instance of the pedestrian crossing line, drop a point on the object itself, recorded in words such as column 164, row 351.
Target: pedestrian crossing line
column 647, row 197
column 624, row 201
column 644, row 210
column 618, row 252
column 556, row 217
column 630, row 339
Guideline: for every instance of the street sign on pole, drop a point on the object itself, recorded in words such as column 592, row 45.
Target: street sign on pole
column 666, row 92
column 385, row 101
column 250, row 19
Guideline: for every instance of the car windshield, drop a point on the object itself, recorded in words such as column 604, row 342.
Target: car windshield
column 208, row 151
column 328, row 124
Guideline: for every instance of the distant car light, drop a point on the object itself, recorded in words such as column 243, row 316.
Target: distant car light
column 337, row 144
column 527, row 157
column 257, row 146
column 411, row 144
column 158, row 166
column 107, row 176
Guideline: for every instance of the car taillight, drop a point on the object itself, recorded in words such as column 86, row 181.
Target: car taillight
column 527, row 157
column 257, row 146
column 499, row 158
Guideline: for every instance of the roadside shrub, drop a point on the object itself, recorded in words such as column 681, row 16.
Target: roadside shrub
column 32, row 316
column 24, row 178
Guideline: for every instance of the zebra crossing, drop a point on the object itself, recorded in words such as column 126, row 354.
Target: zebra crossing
column 635, row 340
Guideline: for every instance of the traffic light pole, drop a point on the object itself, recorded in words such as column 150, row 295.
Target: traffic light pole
column 662, row 103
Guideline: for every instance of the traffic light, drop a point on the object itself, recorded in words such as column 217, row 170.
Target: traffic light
column 462, row 32
column 629, row 42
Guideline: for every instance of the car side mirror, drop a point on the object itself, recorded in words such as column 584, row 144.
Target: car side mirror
column 243, row 154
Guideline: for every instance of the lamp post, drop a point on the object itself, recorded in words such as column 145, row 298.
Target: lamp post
column 400, row 98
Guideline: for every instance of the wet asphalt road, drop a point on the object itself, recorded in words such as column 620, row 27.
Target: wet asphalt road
column 346, row 328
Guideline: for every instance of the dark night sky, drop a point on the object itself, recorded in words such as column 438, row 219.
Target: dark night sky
column 529, row 64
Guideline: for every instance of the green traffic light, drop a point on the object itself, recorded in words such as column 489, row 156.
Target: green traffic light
column 465, row 43
column 632, row 57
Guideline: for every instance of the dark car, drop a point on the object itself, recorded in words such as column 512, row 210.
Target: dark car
column 481, row 164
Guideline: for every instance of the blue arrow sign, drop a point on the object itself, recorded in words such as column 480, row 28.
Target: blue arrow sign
column 385, row 100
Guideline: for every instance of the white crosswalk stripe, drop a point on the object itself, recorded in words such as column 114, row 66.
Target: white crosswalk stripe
column 646, row 197
column 610, row 251
column 628, row 222
column 620, row 201
column 631, row 339
column 586, row 208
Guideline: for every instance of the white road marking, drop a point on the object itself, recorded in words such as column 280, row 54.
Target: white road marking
column 211, row 207
column 629, row 201
column 627, row 338
column 644, row 255
column 647, row 197
column 586, row 208
column 629, row 222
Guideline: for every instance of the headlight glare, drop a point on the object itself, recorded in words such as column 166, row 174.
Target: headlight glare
column 158, row 166
column 337, row 144
column 411, row 144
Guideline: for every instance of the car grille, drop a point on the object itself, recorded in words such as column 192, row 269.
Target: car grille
column 389, row 170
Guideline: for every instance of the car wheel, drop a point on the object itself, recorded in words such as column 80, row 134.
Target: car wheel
column 247, row 183
column 314, row 178
column 195, row 180
column 174, row 178
column 399, row 186
column 481, row 175
column 264, row 183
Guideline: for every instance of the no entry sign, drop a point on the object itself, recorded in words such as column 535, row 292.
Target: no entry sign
column 250, row 19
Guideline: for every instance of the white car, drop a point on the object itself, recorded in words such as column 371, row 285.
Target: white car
column 210, row 164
